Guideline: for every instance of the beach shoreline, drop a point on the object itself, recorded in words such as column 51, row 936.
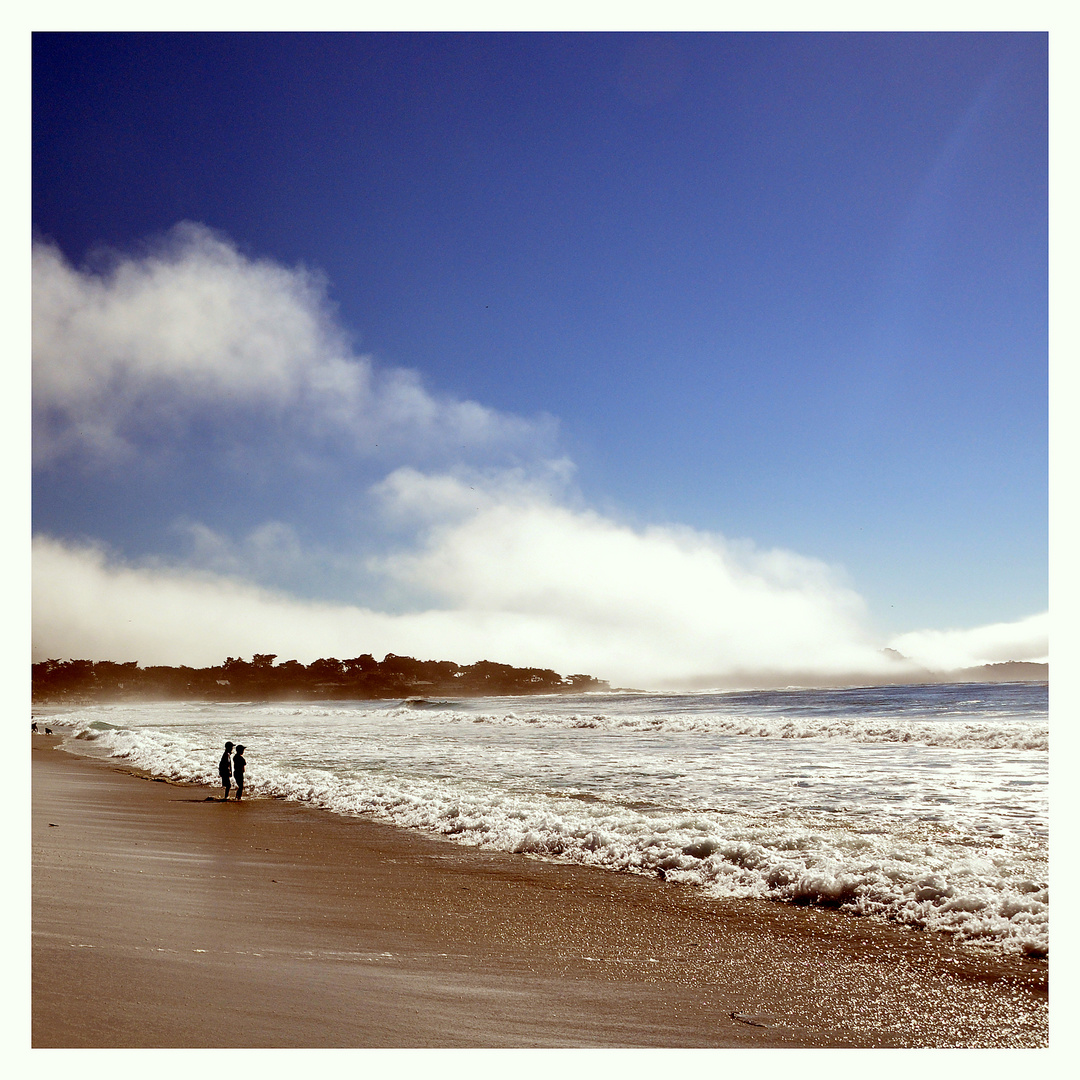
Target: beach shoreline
column 163, row 918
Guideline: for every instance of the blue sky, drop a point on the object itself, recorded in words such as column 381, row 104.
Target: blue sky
column 777, row 302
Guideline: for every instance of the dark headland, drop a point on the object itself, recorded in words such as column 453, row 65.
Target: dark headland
column 328, row 678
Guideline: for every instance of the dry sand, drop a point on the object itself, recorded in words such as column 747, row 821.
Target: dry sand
column 162, row 919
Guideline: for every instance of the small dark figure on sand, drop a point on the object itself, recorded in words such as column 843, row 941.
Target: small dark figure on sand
column 239, row 764
column 225, row 770
column 48, row 731
column 33, row 726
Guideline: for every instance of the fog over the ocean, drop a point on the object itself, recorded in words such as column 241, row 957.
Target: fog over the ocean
column 357, row 510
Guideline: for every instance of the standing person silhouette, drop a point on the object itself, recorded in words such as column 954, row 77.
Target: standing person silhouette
column 225, row 770
column 239, row 764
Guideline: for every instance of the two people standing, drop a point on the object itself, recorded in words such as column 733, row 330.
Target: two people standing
column 228, row 768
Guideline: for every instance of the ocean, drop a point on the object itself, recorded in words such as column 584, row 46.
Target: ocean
column 923, row 805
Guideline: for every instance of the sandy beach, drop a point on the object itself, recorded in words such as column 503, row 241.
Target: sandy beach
column 165, row 918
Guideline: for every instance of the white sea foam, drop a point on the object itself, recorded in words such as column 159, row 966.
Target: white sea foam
column 972, row 735
column 943, row 829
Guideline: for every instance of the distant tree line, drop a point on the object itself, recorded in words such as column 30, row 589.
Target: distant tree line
column 260, row 678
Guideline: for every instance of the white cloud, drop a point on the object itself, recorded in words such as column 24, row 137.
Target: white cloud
column 266, row 552
column 195, row 328
column 655, row 605
column 408, row 495
column 947, row 650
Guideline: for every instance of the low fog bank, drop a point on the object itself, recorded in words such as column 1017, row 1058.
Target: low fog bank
column 901, row 675
column 88, row 607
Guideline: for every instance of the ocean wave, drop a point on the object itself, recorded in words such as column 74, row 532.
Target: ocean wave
column 934, row 879
column 948, row 733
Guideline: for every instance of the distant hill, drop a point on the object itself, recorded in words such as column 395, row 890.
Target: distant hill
column 1010, row 671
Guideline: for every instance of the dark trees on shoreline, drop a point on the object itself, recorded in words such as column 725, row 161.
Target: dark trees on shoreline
column 328, row 678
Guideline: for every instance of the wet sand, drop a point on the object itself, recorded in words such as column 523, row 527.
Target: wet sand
column 164, row 918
